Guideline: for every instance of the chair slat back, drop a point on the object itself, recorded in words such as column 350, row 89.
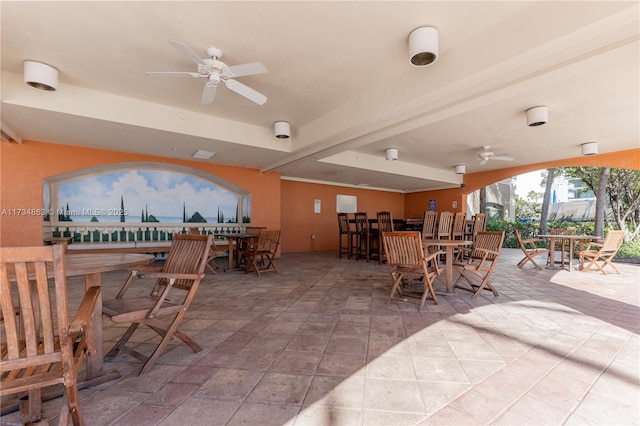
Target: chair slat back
column 612, row 242
column 188, row 255
column 487, row 240
column 385, row 222
column 459, row 222
column 362, row 223
column 31, row 318
column 343, row 223
column 429, row 224
column 444, row 225
column 403, row 249
column 268, row 240
column 254, row 230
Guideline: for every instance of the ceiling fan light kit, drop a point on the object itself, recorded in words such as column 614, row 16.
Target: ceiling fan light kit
column 282, row 129
column 41, row 76
column 461, row 169
column 537, row 116
column 590, row 148
column 423, row 46
column 392, row 154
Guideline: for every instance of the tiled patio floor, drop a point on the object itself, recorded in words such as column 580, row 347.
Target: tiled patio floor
column 316, row 344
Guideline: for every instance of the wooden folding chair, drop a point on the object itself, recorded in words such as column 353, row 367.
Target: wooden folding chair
column 459, row 224
column 482, row 259
column 261, row 252
column 530, row 250
column 429, row 225
column 603, row 253
column 40, row 347
column 165, row 307
column 406, row 261
column 445, row 222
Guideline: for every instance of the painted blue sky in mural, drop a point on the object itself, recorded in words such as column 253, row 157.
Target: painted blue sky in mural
column 162, row 193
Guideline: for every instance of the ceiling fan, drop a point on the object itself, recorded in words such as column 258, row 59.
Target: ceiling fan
column 487, row 155
column 215, row 72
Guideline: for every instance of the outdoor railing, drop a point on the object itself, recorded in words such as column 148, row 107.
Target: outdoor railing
column 93, row 232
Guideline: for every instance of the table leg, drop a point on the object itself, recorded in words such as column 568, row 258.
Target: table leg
column 95, row 364
column 551, row 262
column 232, row 249
column 449, row 269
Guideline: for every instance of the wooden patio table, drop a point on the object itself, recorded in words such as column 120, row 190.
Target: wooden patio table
column 449, row 245
column 571, row 239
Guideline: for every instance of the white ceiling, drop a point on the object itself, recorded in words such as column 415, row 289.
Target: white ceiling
column 339, row 72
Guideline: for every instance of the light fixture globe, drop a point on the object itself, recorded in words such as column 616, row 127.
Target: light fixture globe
column 537, row 116
column 282, row 129
column 423, row 46
column 590, row 148
column 392, row 154
column 40, row 76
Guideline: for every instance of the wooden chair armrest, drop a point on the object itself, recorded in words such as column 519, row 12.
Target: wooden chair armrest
column 82, row 322
column 433, row 255
column 487, row 252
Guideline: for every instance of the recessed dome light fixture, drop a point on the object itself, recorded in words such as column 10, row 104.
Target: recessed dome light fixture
column 392, row 154
column 423, row 46
column 40, row 76
column 589, row 148
column 461, row 169
column 537, row 116
column 282, row 129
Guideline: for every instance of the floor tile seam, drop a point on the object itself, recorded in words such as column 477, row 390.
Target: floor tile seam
column 549, row 372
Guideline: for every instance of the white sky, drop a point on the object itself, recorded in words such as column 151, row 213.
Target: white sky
column 527, row 182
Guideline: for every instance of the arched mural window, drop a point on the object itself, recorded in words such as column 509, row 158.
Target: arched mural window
column 144, row 193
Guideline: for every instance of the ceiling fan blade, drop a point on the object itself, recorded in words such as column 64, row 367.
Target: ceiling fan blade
column 246, row 91
column 174, row 74
column 188, row 53
column 502, row 158
column 209, row 92
column 246, row 69
column 484, row 161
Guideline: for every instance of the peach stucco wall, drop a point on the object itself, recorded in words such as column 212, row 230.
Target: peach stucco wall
column 23, row 167
column 299, row 222
column 275, row 203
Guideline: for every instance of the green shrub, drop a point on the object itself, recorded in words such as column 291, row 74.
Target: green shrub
column 630, row 250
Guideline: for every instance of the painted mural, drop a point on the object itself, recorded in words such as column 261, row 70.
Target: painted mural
column 146, row 196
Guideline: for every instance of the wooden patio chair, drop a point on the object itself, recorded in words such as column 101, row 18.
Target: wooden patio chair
column 479, row 224
column 360, row 237
column 344, row 235
column 40, row 347
column 429, row 225
column 243, row 244
column 164, row 309
column 445, row 221
column 530, row 250
column 261, row 252
column 385, row 224
column 459, row 224
column 480, row 262
column 602, row 252
column 406, row 261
